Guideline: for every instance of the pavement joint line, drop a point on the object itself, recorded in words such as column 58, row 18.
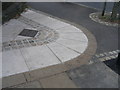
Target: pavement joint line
column 25, row 62
column 51, row 75
column 25, row 77
column 54, row 54
column 38, row 79
column 14, row 86
column 69, row 48
column 40, row 84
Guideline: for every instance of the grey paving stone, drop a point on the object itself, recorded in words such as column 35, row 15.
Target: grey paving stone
column 13, row 80
column 57, row 81
column 96, row 75
column 45, row 72
column 34, row 84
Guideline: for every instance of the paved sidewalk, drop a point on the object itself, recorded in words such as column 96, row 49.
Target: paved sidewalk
column 62, row 54
column 40, row 47
column 92, row 75
column 56, row 81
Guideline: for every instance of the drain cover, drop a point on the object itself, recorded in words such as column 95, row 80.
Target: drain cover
column 28, row 33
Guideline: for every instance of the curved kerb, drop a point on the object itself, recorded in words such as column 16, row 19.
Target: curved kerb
column 76, row 62
column 62, row 67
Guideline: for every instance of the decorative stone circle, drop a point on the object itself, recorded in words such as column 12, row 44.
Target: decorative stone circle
column 94, row 17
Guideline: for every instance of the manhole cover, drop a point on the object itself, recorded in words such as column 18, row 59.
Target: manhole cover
column 29, row 33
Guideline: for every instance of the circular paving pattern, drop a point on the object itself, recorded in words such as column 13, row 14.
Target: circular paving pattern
column 46, row 35
column 59, row 46
column 94, row 17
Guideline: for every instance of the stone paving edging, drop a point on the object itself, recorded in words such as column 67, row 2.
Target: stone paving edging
column 94, row 17
column 55, row 69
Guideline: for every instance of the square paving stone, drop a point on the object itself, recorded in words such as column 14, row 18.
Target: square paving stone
column 39, row 57
column 13, row 80
column 13, row 63
column 96, row 75
column 34, row 84
column 58, row 49
column 57, row 81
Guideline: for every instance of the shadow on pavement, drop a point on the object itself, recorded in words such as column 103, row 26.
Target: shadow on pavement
column 113, row 65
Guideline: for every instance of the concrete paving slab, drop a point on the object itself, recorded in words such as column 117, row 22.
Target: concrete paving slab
column 37, row 17
column 62, row 52
column 44, row 20
column 11, row 30
column 13, row 80
column 75, row 45
column 45, row 72
column 43, row 61
column 34, row 84
column 57, row 81
column 7, row 38
column 8, row 27
column 95, row 75
column 67, row 29
column 74, row 36
column 39, row 57
column 13, row 63
column 32, row 15
column 56, row 24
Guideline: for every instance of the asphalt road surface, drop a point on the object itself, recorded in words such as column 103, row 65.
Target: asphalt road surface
column 98, row 5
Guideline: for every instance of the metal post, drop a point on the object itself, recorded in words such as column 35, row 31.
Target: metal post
column 104, row 7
